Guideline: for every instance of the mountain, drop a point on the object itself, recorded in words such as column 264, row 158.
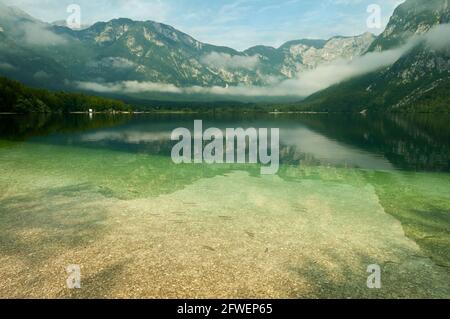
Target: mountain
column 63, row 23
column 55, row 56
column 411, row 18
column 154, row 61
column 297, row 56
column 418, row 81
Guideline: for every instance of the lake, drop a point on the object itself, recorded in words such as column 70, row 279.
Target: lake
column 102, row 192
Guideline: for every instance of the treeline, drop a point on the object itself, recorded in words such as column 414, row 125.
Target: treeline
column 208, row 107
column 18, row 98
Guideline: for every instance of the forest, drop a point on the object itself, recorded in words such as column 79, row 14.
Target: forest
column 18, row 98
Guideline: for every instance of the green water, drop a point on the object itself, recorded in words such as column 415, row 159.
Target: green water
column 103, row 193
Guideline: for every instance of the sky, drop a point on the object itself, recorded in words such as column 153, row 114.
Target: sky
column 239, row 24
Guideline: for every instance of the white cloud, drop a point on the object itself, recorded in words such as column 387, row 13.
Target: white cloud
column 39, row 35
column 94, row 11
column 113, row 62
column 439, row 37
column 129, row 87
column 131, row 137
column 227, row 61
column 7, row 66
column 41, row 75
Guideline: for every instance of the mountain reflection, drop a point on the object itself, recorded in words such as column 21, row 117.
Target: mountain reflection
column 419, row 143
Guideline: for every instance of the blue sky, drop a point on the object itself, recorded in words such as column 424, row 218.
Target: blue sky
column 235, row 23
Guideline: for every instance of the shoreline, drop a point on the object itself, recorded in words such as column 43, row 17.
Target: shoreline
column 301, row 112
column 219, row 112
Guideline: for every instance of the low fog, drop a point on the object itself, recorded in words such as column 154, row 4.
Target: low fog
column 227, row 61
column 38, row 35
column 305, row 84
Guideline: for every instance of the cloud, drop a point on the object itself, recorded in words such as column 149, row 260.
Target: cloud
column 94, row 11
column 234, row 23
column 42, row 75
column 130, row 136
column 113, row 62
column 7, row 66
column 439, row 37
column 120, row 63
column 303, row 85
column 39, row 35
column 227, row 61
column 129, row 87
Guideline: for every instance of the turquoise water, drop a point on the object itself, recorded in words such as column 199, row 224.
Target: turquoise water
column 103, row 193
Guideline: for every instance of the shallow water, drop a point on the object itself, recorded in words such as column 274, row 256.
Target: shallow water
column 103, row 193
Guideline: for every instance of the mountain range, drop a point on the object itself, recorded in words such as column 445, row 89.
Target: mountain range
column 151, row 60
column 125, row 50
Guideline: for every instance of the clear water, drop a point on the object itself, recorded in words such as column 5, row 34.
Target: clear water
column 103, row 193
